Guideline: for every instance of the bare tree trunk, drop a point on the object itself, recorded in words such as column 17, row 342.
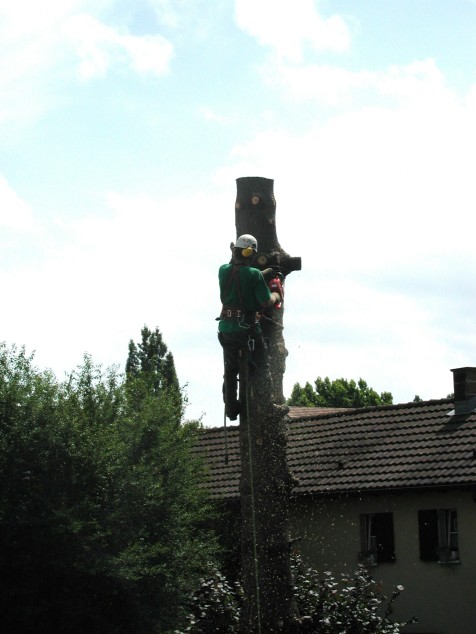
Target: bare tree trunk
column 266, row 483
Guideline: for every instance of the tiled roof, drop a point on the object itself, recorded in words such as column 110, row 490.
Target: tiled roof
column 413, row 445
column 310, row 412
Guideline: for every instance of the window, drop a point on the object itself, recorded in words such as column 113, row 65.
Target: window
column 377, row 540
column 438, row 533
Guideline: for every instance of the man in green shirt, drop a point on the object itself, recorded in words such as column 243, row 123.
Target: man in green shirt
column 244, row 294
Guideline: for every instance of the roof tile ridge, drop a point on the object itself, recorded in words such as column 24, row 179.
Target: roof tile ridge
column 218, row 428
column 376, row 408
column 344, row 411
column 372, row 408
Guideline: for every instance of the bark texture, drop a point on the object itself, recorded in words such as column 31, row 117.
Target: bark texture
column 266, row 483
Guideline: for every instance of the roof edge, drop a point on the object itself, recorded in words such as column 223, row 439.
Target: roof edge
column 396, row 490
column 372, row 408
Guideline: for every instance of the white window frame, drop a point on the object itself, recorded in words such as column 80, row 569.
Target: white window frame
column 369, row 553
column 448, row 542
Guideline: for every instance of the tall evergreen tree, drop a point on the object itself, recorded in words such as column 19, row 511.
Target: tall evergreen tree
column 152, row 363
column 152, row 360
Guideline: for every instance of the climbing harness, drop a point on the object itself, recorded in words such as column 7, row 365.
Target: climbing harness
column 245, row 319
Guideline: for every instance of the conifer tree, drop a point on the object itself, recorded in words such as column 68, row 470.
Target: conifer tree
column 151, row 358
column 152, row 363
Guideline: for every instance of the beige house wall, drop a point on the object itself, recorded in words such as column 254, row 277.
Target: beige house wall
column 442, row 596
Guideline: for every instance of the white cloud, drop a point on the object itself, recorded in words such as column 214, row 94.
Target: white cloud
column 40, row 44
column 136, row 262
column 209, row 114
column 15, row 213
column 326, row 85
column 31, row 37
column 168, row 11
column 23, row 18
column 289, row 27
column 100, row 46
column 28, row 50
column 420, row 83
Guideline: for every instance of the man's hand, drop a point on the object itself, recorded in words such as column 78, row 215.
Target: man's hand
column 275, row 285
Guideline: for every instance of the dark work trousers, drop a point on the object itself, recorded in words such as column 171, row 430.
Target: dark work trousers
column 232, row 343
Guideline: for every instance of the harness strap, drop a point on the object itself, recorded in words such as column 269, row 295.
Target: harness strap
column 231, row 312
column 232, row 277
column 246, row 319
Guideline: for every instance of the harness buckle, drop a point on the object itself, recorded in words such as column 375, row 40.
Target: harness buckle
column 251, row 344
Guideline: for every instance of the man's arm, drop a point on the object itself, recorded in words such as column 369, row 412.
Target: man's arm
column 274, row 299
column 275, row 285
column 271, row 285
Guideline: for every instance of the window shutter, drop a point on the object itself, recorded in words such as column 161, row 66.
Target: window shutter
column 364, row 536
column 383, row 526
column 428, row 534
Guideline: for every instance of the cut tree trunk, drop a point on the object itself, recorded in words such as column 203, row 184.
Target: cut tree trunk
column 266, row 483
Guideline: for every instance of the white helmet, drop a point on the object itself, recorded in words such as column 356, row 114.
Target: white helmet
column 246, row 241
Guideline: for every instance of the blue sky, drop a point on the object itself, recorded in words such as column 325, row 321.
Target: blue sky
column 124, row 125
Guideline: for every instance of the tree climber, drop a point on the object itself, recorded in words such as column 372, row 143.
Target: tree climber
column 245, row 292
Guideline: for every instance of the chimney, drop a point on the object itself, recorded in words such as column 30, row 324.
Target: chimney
column 464, row 381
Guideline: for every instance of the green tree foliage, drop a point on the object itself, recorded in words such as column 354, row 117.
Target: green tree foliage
column 152, row 363
column 338, row 393
column 151, row 359
column 101, row 515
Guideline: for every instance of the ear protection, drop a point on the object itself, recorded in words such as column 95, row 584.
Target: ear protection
column 248, row 245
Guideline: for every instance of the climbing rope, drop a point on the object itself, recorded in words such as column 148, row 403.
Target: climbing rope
column 252, row 490
column 272, row 321
column 226, row 434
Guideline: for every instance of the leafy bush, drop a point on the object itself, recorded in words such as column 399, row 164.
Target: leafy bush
column 353, row 605
column 215, row 606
